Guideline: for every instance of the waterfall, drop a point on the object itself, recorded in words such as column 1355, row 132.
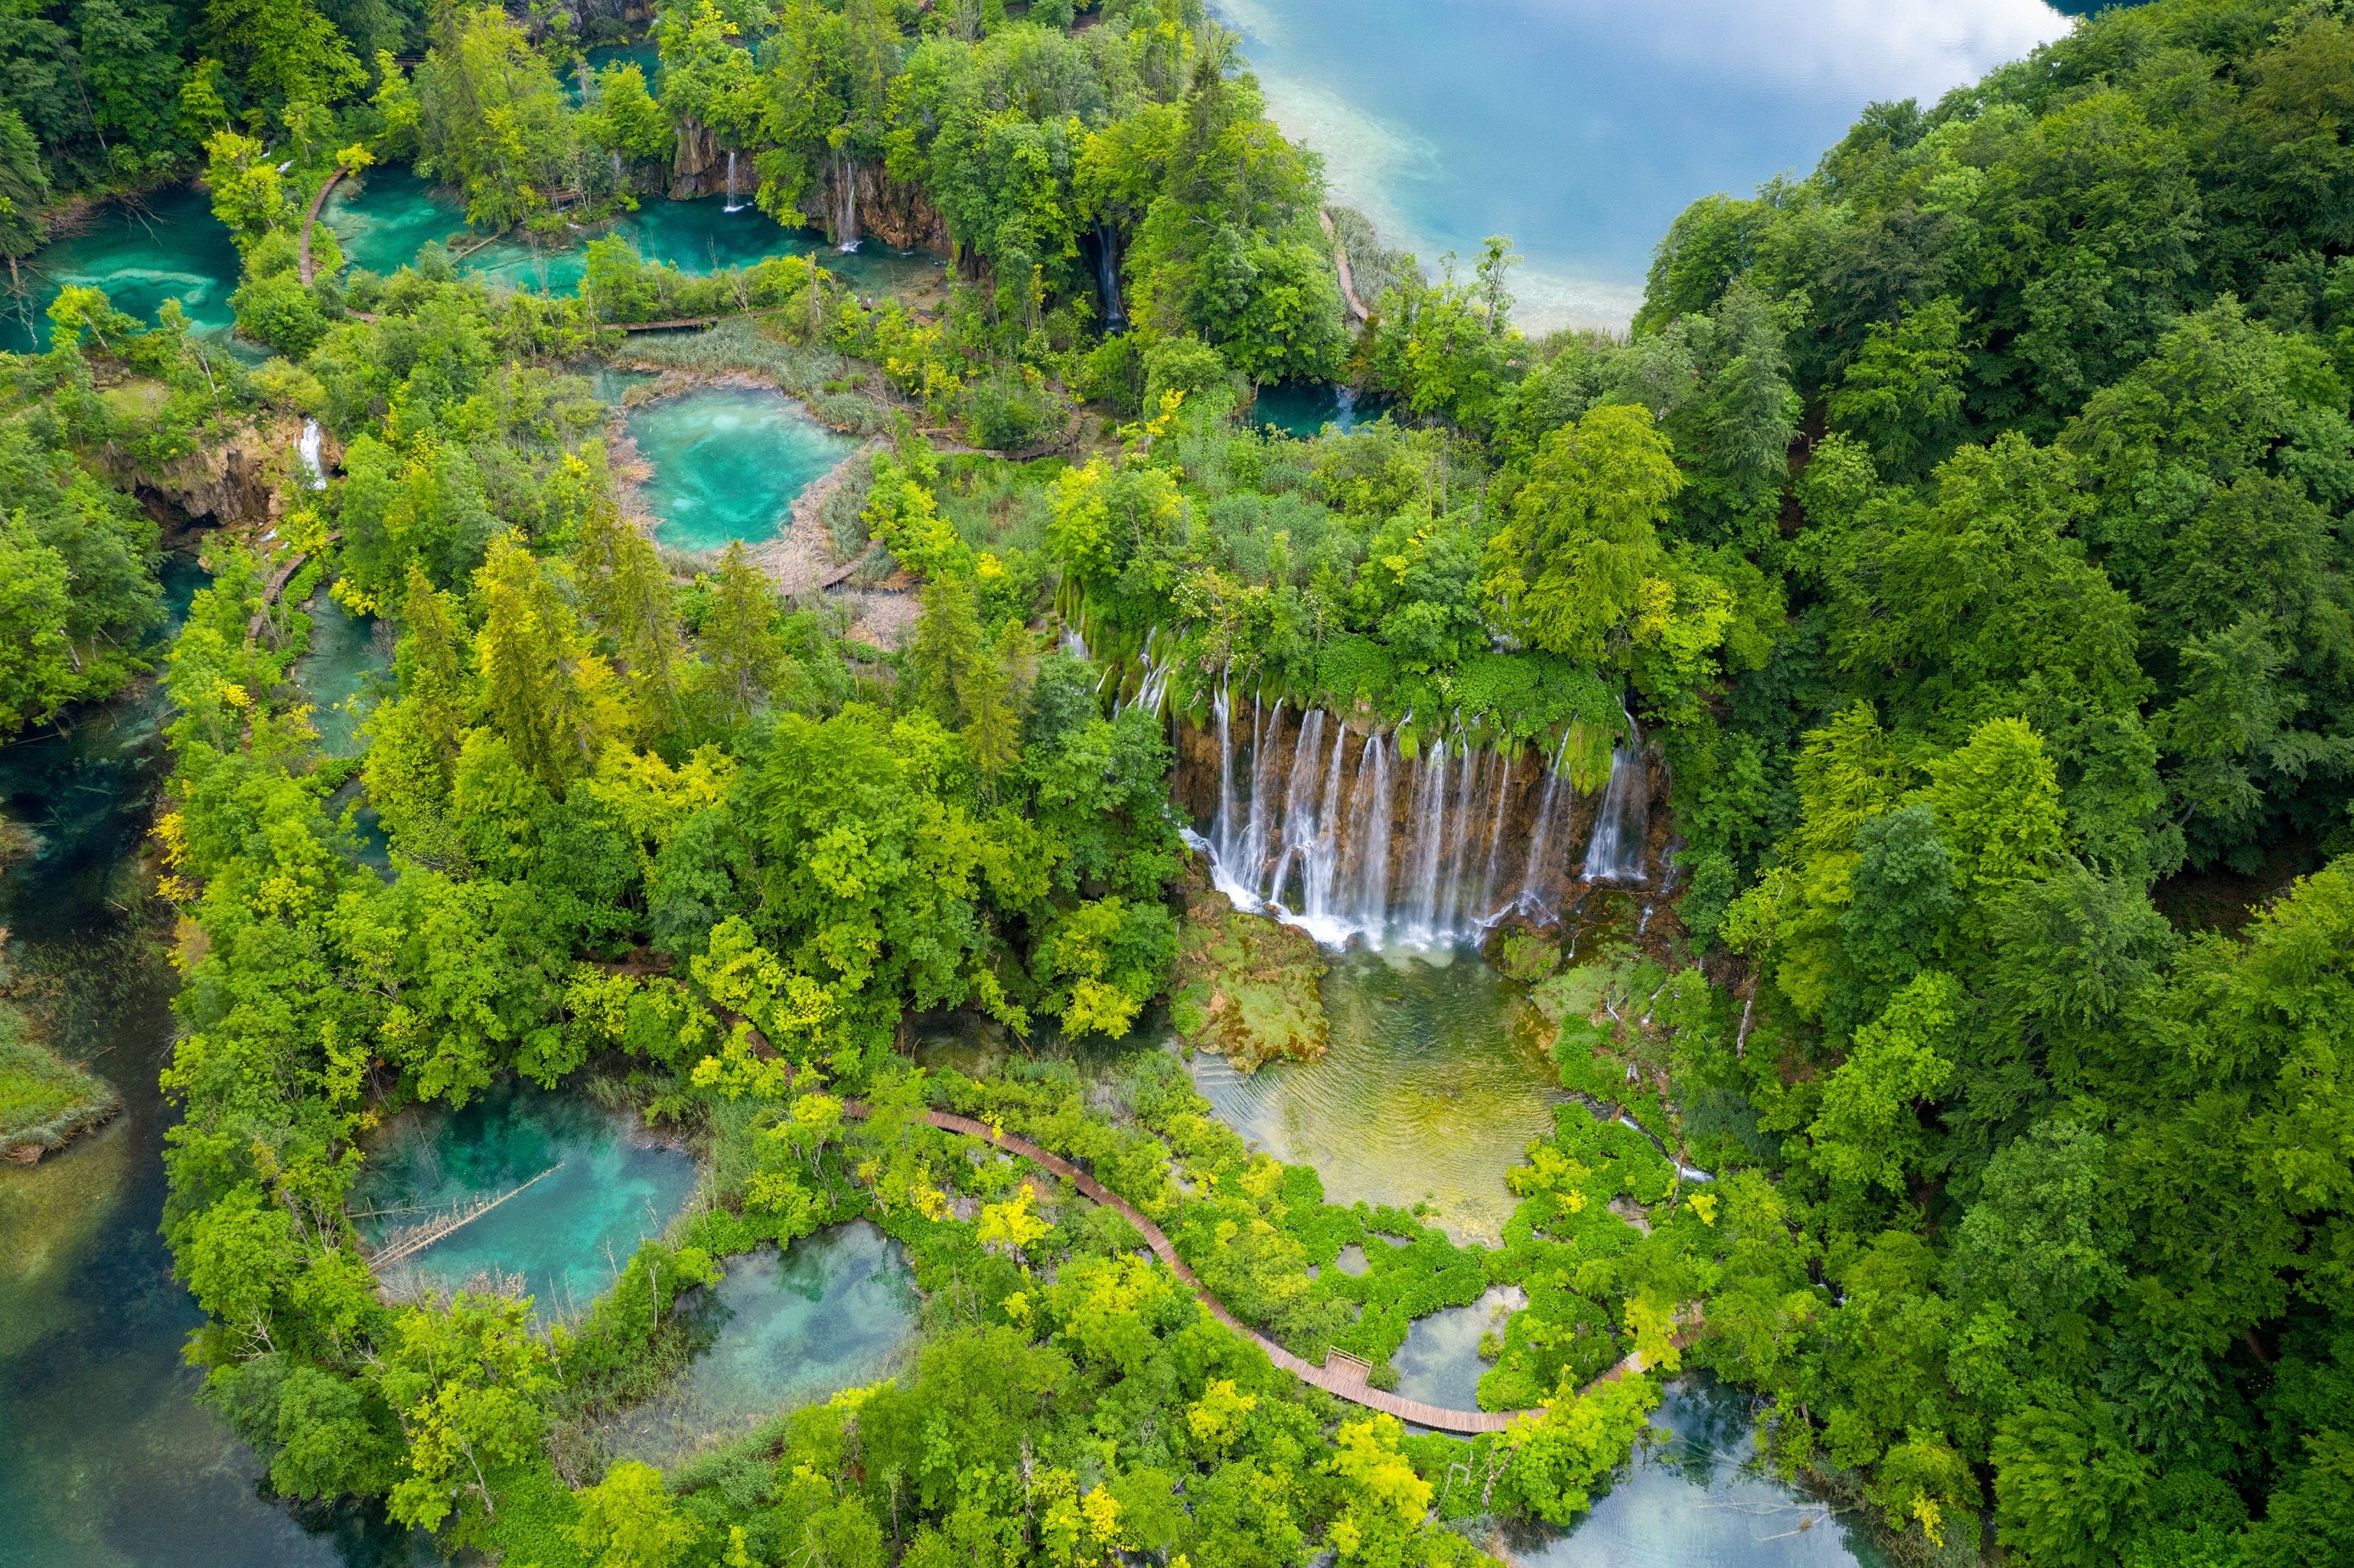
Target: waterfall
column 1615, row 852
column 616, row 156
column 1428, row 832
column 732, row 205
column 308, row 450
column 1531, row 896
column 1299, row 834
column 1488, row 910
column 1370, row 830
column 846, row 228
column 1222, row 826
column 1107, row 279
column 1152, row 686
column 1258, row 827
column 1071, row 642
column 1450, row 901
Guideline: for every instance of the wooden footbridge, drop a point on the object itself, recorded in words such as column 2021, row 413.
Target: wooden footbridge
column 409, row 1243
column 1341, row 1375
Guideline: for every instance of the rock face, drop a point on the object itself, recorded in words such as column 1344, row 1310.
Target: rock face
column 698, row 165
column 230, row 480
column 889, row 211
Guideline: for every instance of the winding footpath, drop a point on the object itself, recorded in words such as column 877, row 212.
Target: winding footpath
column 1344, row 1378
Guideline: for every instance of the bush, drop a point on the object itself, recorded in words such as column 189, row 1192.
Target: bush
column 280, row 313
column 1013, row 413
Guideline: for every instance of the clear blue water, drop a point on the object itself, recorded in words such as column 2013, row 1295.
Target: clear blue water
column 837, row 1310
column 564, row 1237
column 728, row 461
column 1582, row 127
column 1440, row 1363
column 1306, row 410
column 1697, row 1498
column 167, row 245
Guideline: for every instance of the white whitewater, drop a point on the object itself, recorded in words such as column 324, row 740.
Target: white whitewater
column 307, row 449
column 731, row 205
column 1615, row 851
column 1424, row 872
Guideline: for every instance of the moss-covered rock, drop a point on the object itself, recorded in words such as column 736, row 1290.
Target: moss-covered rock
column 1246, row 986
column 45, row 1100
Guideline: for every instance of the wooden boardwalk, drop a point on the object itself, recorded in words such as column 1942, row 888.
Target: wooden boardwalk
column 1341, row 1376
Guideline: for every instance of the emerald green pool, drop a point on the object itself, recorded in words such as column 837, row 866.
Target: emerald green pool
column 347, row 660
column 167, row 246
column 835, row 1311
column 728, row 462
column 1435, row 1081
column 595, row 1189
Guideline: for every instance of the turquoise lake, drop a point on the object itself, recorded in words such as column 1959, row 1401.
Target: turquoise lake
column 165, row 246
column 834, row 1310
column 1580, row 128
column 587, row 1188
column 728, row 461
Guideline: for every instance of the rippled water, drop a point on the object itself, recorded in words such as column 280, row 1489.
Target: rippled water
column 837, row 1310
column 167, row 245
column 597, row 1189
column 1580, row 128
column 1698, row 1498
column 728, row 462
column 1434, row 1083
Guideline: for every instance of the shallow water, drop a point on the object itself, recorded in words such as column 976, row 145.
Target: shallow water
column 1698, row 1500
column 167, row 245
column 384, row 221
column 1305, row 410
column 105, row 1457
column 596, row 1190
column 835, row 1312
column 1581, row 128
column 728, row 462
column 1440, row 1363
column 1435, row 1081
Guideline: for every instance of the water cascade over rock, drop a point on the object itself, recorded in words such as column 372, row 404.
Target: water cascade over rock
column 1107, row 249
column 1330, row 825
column 732, row 203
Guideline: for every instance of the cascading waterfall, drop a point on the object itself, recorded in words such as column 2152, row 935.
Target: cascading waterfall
column 307, row 449
column 1531, row 898
column 1297, row 838
column 847, row 178
column 1496, row 843
column 1428, row 832
column 1615, row 851
column 1459, row 849
column 731, row 205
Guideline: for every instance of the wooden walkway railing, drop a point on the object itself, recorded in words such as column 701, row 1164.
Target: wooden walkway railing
column 1341, row 1376
column 416, row 1238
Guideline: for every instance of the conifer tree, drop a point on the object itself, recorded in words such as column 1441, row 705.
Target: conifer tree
column 948, row 645
column 991, row 729
column 743, row 645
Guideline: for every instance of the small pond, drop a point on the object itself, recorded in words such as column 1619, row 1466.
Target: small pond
column 597, row 1187
column 728, row 462
column 164, row 246
column 1434, row 1083
column 1305, row 408
column 1699, row 1498
column 1440, row 1363
column 835, row 1311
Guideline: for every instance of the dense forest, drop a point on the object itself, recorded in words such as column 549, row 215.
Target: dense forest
column 1969, row 526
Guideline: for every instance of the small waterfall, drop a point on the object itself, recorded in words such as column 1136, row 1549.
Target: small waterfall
column 1107, row 279
column 1371, row 830
column 1488, row 910
column 1152, row 688
column 1298, row 832
column 1615, row 852
column 1259, row 826
column 1428, row 832
column 1532, row 877
column 616, row 155
column 1458, row 851
column 1222, row 826
column 1071, row 642
column 307, row 450
column 732, row 205
column 846, row 225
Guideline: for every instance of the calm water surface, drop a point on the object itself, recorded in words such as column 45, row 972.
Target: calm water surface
column 165, row 246
column 728, row 462
column 595, row 1189
column 835, row 1311
column 1580, row 128
column 1698, row 1498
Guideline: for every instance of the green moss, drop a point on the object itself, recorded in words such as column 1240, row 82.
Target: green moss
column 1246, row 986
column 45, row 1100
